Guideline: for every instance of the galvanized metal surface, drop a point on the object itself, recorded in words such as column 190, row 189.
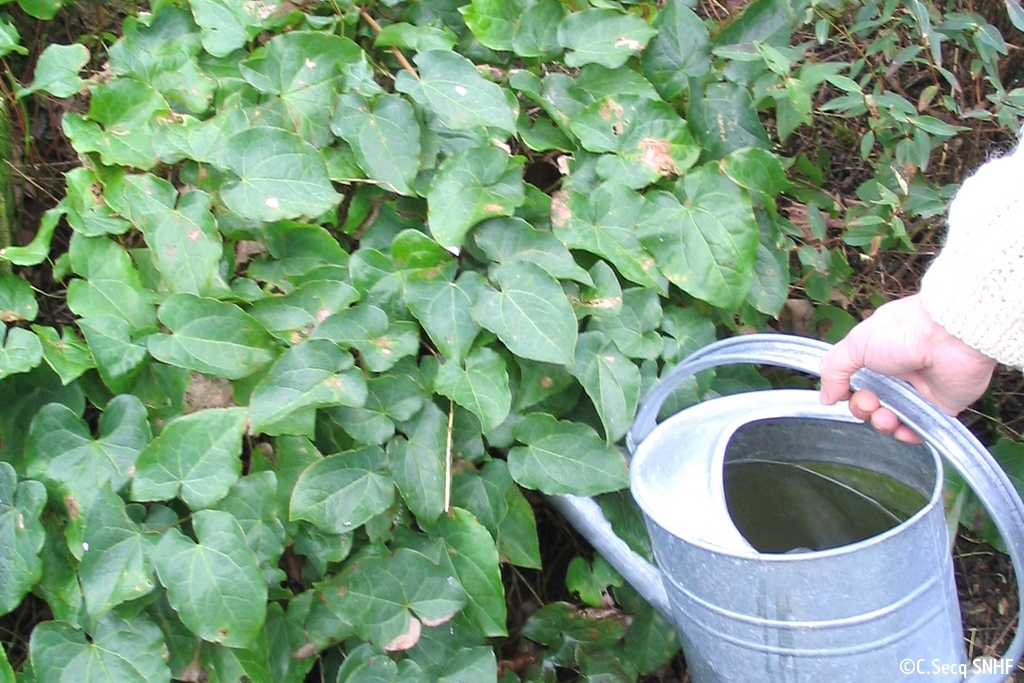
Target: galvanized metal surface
column 883, row 609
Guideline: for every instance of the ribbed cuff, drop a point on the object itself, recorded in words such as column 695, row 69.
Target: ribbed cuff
column 975, row 287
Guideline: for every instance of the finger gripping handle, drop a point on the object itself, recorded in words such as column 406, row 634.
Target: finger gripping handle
column 942, row 432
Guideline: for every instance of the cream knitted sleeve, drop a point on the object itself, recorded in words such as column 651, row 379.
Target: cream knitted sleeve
column 975, row 287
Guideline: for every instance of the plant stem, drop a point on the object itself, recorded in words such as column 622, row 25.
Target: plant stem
column 6, row 189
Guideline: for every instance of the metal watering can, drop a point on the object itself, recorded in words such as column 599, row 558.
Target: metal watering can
column 879, row 609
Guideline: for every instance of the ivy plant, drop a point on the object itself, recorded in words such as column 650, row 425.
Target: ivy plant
column 347, row 278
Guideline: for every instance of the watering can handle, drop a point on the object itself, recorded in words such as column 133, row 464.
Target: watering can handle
column 944, row 433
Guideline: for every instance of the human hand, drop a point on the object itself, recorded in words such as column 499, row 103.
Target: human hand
column 900, row 339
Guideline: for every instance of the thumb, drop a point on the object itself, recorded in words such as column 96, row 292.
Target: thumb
column 838, row 365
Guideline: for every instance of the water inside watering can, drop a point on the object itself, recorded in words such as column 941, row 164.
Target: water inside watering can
column 783, row 507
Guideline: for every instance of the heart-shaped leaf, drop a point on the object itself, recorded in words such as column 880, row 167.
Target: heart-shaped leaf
column 60, row 448
column 454, row 90
column 116, row 565
column 253, row 502
column 530, row 314
column 67, row 354
column 563, row 457
column 215, row 585
column 280, row 175
column 120, row 124
column 57, row 70
column 118, row 651
column 194, row 457
column 681, row 50
column 20, row 351
column 313, row 374
column 610, row 379
column 21, row 536
column 705, row 240
column 384, row 135
column 211, row 337
column 443, row 308
column 603, row 36
column 17, row 300
column 469, row 187
column 342, row 492
column 481, row 388
column 417, row 463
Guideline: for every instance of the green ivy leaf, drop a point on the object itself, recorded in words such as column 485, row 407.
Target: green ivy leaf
column 416, row 38
column 34, row 253
column 252, row 501
column 536, row 34
column 611, row 381
column 384, row 135
column 194, row 457
column 390, row 398
column 10, row 42
column 493, row 22
column 17, row 301
column 57, row 70
column 181, row 233
column 380, row 342
column 724, row 120
column 769, row 286
column 365, row 664
column 59, row 585
column 481, row 388
column 215, row 585
column 469, row 187
column 342, row 492
column 473, row 559
column 163, row 54
column 116, row 564
column 22, row 396
column 119, row 651
column 633, row 330
column 6, row 672
column 443, row 308
column 211, row 337
column 21, row 536
column 380, row 594
column 507, row 240
column 680, row 51
column 118, row 360
column 111, row 285
column 61, row 449
column 120, row 124
column 19, row 352
column 603, row 36
column 280, row 175
column 299, row 73
column 88, row 207
column 495, row 500
column 562, row 457
column 756, row 170
column 452, row 87
column 647, row 136
column 228, row 26
column 705, row 240
column 604, row 223
column 417, row 463
column 290, row 315
column 313, row 374
column 530, row 314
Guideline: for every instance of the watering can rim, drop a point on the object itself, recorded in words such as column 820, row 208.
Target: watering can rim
column 790, row 403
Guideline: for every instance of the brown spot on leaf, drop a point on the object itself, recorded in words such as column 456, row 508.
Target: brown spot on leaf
column 71, row 503
column 628, row 43
column 610, row 109
column 222, row 632
column 193, row 234
column 305, row 652
column 654, row 154
column 560, row 213
column 494, row 208
column 546, row 382
column 407, row 640
column 433, row 623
